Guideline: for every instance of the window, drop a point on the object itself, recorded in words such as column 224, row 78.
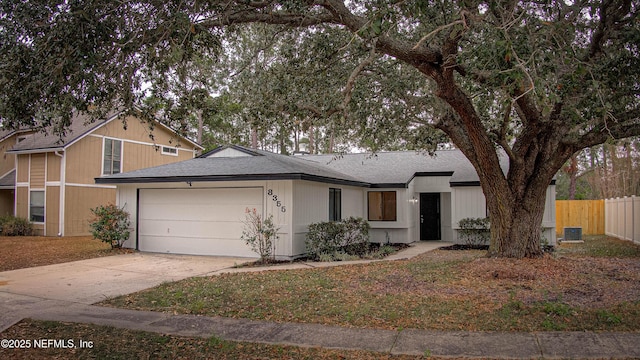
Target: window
column 382, row 205
column 112, row 157
column 335, row 204
column 36, row 206
column 168, row 150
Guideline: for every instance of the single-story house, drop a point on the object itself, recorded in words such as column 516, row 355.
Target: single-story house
column 49, row 179
column 198, row 206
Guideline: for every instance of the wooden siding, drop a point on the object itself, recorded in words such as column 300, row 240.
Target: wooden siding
column 22, row 202
column 22, row 175
column 139, row 156
column 37, row 172
column 52, row 211
column 78, row 204
column 587, row 214
column 53, row 167
column 139, row 131
column 7, row 161
column 84, row 161
column 139, row 151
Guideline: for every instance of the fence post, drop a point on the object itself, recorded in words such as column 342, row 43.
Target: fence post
column 635, row 219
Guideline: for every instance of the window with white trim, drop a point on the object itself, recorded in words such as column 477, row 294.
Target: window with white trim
column 112, row 159
column 168, row 150
column 36, row 206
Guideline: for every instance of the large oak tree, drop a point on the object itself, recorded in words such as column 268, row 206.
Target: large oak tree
column 534, row 81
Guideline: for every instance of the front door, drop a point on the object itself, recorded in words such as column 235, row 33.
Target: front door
column 430, row 216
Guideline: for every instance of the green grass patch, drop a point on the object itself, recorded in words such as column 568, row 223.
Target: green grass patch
column 601, row 246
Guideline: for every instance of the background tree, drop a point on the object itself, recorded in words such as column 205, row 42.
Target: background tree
column 527, row 82
column 604, row 171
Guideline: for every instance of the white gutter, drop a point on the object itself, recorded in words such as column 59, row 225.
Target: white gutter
column 63, row 162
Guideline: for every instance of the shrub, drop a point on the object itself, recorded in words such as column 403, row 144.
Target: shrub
column 110, row 225
column 323, row 239
column 15, row 226
column 475, row 231
column 349, row 236
column 260, row 234
column 355, row 236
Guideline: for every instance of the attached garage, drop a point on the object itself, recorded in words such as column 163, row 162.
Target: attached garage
column 203, row 221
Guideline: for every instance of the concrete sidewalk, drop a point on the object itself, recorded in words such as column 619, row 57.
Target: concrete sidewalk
column 549, row 345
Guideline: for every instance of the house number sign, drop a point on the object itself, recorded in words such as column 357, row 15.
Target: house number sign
column 278, row 202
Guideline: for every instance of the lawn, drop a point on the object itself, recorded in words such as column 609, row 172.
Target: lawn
column 593, row 286
column 28, row 251
column 589, row 286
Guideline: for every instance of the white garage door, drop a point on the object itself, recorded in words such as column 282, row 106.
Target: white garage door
column 196, row 221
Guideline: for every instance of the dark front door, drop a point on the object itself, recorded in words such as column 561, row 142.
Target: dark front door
column 430, row 216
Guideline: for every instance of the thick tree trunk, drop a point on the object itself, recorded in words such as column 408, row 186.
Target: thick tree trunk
column 516, row 230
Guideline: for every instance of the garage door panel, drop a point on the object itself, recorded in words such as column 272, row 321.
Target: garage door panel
column 199, row 213
column 182, row 245
column 215, row 212
column 200, row 196
column 196, row 221
column 207, row 229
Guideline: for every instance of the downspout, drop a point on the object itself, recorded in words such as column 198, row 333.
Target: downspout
column 63, row 162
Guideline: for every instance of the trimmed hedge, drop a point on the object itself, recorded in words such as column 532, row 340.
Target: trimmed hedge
column 475, row 231
column 349, row 236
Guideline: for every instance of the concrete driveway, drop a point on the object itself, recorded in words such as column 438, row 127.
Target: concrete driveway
column 93, row 280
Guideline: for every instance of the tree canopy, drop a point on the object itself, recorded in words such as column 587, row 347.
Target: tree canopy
column 531, row 81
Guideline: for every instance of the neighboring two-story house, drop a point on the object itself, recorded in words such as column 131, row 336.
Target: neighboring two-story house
column 8, row 139
column 52, row 179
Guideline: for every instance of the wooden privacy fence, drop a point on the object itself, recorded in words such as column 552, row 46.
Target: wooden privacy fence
column 623, row 218
column 587, row 214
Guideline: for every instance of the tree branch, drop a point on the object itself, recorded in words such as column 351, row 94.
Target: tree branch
column 348, row 90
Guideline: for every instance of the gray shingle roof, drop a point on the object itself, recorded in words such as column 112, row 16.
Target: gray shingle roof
column 265, row 165
column 9, row 180
column 390, row 169
column 47, row 141
column 400, row 167
column 80, row 126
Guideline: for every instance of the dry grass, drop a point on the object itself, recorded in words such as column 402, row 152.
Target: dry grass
column 590, row 286
column 443, row 290
column 112, row 343
column 28, row 251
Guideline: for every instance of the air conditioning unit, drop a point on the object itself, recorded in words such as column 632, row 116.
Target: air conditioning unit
column 572, row 234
